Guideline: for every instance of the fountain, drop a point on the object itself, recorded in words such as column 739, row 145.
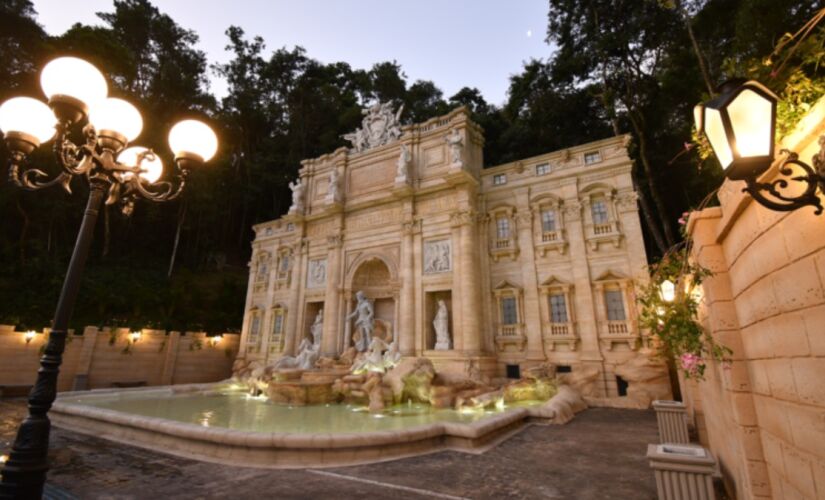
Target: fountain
column 366, row 405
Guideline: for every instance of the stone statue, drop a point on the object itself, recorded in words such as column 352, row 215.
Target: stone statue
column 404, row 159
column 365, row 320
column 455, row 141
column 334, row 190
column 305, row 359
column 297, row 188
column 441, row 324
column 380, row 126
column 317, row 328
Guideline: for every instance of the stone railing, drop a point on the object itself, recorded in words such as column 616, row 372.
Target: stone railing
column 503, row 247
column 618, row 332
column 608, row 232
column 617, row 327
column 560, row 334
column 511, row 335
column 509, row 330
column 502, row 243
column 551, row 240
column 550, row 236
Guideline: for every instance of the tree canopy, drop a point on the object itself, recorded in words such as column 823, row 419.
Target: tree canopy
column 612, row 67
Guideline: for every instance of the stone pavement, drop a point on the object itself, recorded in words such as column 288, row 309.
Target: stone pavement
column 600, row 454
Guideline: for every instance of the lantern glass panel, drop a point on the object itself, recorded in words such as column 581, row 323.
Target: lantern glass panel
column 750, row 116
column 715, row 131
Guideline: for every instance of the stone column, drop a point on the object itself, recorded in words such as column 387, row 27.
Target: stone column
column 406, row 321
column 583, row 291
column 532, row 316
column 81, row 377
column 467, row 269
column 170, row 360
column 297, row 273
column 329, row 342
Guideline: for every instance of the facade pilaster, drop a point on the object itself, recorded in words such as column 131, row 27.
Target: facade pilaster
column 406, row 327
column 532, row 318
column 299, row 262
column 465, row 221
column 329, row 341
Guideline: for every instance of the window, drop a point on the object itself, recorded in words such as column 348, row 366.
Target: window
column 564, row 369
column 509, row 316
column 542, row 169
column 548, row 221
column 558, row 308
column 513, row 371
column 277, row 325
column 284, row 264
column 615, row 305
column 499, row 179
column 503, row 228
column 599, row 211
column 290, row 227
column 592, row 157
column 263, row 271
column 254, row 328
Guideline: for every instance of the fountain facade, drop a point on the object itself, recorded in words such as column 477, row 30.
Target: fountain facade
column 405, row 237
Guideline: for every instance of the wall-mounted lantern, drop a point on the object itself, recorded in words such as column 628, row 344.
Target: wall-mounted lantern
column 740, row 124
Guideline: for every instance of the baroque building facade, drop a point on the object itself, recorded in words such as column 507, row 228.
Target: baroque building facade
column 536, row 261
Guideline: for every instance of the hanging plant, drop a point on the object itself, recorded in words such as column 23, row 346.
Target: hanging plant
column 670, row 310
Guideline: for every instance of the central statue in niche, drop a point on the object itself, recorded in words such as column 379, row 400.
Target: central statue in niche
column 365, row 320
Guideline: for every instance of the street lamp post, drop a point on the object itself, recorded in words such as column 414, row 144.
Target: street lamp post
column 77, row 96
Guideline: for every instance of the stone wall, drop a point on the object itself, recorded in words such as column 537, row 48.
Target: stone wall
column 99, row 358
column 764, row 416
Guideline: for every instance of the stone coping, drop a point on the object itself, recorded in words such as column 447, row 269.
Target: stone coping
column 279, row 449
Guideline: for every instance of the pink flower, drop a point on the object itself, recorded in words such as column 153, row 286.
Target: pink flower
column 691, row 363
column 689, row 146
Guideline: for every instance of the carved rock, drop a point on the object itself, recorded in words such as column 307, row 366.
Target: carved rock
column 411, row 380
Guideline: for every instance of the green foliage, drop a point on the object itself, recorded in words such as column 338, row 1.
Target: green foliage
column 601, row 77
column 675, row 323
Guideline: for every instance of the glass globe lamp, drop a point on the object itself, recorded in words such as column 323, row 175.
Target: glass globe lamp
column 151, row 166
column 72, row 86
column 26, row 123
column 117, row 123
column 192, row 142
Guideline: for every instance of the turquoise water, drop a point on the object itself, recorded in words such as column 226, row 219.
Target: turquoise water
column 237, row 410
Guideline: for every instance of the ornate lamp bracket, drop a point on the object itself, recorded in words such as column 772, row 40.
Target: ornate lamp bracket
column 814, row 177
column 96, row 160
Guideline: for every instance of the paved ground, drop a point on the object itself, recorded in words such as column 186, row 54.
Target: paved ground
column 600, row 455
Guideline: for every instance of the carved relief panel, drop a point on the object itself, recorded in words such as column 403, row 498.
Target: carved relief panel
column 438, row 256
column 317, row 273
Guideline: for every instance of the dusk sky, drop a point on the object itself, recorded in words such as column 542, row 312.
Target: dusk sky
column 455, row 43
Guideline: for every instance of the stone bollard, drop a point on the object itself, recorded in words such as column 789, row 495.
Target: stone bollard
column 683, row 472
column 672, row 419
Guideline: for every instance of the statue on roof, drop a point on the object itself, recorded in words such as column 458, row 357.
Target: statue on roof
column 380, row 126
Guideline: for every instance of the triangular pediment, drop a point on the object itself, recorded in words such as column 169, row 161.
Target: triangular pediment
column 506, row 285
column 553, row 281
column 611, row 276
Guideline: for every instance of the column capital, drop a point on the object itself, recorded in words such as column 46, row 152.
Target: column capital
column 335, row 241
column 411, row 226
column 572, row 211
column 463, row 217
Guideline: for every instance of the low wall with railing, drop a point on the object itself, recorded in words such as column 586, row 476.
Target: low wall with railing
column 109, row 357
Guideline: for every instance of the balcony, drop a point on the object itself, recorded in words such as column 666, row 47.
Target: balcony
column 556, row 334
column 608, row 232
column 618, row 332
column 552, row 240
column 511, row 336
column 503, row 247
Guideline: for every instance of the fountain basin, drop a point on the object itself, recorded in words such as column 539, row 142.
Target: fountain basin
column 213, row 422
